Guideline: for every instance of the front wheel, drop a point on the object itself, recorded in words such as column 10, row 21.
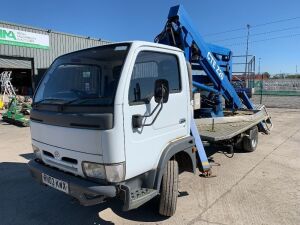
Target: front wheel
column 169, row 189
column 250, row 143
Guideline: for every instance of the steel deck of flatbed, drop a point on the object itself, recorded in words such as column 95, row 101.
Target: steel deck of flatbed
column 224, row 128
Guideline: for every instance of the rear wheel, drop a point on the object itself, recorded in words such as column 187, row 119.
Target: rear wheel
column 250, row 143
column 169, row 189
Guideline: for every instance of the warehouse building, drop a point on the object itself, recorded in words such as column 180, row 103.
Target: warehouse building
column 27, row 52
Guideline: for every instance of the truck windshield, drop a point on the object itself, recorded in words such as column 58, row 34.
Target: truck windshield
column 87, row 77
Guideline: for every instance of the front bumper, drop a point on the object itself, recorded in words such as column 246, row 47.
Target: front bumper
column 87, row 192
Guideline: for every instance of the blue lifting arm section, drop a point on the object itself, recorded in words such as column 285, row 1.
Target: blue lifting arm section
column 200, row 148
column 214, row 60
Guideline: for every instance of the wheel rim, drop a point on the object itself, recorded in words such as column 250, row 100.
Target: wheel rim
column 253, row 142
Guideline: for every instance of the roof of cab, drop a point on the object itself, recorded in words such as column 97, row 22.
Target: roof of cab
column 134, row 44
column 152, row 44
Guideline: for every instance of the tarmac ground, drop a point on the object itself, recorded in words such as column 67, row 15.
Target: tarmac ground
column 262, row 187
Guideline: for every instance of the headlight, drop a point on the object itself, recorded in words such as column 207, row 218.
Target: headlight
column 94, row 170
column 112, row 173
column 37, row 152
column 115, row 173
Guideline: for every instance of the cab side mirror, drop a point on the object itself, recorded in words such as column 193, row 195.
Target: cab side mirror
column 161, row 91
column 161, row 95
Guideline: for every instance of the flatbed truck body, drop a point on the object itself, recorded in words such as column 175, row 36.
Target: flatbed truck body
column 227, row 127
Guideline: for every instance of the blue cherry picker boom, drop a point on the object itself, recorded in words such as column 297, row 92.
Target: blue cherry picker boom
column 224, row 124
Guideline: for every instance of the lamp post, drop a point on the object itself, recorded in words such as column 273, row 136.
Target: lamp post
column 246, row 65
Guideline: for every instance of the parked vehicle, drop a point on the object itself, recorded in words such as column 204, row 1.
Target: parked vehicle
column 118, row 120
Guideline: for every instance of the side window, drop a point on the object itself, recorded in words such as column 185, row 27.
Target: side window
column 149, row 67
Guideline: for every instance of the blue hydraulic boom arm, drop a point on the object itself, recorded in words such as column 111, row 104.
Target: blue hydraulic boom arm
column 215, row 83
column 214, row 60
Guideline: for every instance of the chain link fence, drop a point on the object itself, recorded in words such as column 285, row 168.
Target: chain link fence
column 277, row 93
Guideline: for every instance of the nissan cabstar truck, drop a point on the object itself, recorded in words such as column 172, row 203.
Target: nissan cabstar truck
column 119, row 120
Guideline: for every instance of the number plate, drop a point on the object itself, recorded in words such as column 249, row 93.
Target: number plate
column 55, row 183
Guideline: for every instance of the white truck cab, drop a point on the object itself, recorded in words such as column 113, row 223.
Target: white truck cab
column 114, row 121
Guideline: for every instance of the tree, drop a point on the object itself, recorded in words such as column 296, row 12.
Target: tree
column 266, row 75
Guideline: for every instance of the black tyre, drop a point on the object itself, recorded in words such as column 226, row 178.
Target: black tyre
column 250, row 143
column 169, row 189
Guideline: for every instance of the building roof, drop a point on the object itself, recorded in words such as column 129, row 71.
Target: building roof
column 50, row 31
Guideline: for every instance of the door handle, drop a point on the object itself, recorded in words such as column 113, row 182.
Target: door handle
column 182, row 120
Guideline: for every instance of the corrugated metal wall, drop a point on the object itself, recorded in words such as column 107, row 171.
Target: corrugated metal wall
column 15, row 63
column 60, row 43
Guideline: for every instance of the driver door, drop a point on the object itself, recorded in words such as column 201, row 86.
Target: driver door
column 144, row 145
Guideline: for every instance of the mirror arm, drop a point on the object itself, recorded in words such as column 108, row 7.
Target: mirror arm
column 137, row 120
column 152, row 111
column 161, row 107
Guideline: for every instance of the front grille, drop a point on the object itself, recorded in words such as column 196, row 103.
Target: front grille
column 49, row 154
column 60, row 165
column 69, row 160
column 66, row 163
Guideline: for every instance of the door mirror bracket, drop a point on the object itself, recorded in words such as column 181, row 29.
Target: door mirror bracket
column 161, row 96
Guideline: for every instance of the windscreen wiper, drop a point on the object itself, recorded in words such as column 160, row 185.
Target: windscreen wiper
column 60, row 105
column 46, row 99
column 64, row 102
column 78, row 99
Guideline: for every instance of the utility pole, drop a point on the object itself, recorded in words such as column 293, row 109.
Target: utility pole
column 246, row 65
column 261, row 82
column 296, row 69
column 259, row 65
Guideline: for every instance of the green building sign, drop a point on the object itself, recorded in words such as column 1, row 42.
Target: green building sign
column 23, row 38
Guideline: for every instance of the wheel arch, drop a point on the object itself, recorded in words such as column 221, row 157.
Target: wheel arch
column 182, row 150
